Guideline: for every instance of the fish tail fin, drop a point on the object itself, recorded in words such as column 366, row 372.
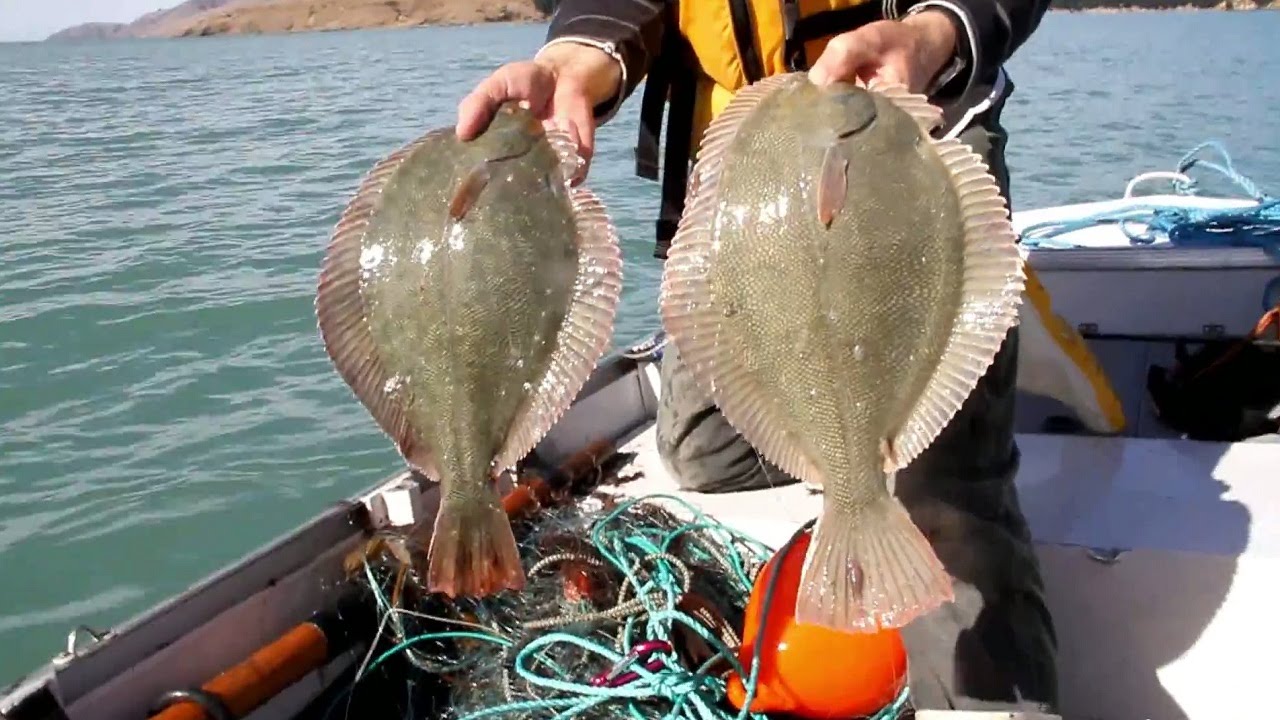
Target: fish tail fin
column 869, row 569
column 473, row 551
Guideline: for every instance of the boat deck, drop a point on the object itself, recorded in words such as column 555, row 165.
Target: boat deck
column 770, row 515
column 1144, row 634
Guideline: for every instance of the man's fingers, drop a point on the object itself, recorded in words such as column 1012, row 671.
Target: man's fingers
column 846, row 56
column 572, row 113
column 894, row 70
column 525, row 81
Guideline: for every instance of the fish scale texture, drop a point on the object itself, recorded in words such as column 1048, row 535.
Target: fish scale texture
column 466, row 294
column 466, row 378
column 845, row 324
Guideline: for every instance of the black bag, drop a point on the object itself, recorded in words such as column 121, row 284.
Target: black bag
column 1227, row 390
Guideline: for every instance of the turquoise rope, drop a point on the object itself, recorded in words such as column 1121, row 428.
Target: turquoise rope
column 1228, row 170
column 693, row 695
column 1257, row 226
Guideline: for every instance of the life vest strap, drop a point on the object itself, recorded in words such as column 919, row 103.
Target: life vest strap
column 800, row 30
column 744, row 35
column 671, row 79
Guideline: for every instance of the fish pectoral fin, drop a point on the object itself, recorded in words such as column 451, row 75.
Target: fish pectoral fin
column 468, row 191
column 583, row 336
column 990, row 295
column 340, row 314
column 833, row 185
column 868, row 569
column 473, row 552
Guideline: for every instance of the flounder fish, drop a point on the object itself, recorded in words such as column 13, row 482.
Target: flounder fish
column 466, row 294
column 838, row 284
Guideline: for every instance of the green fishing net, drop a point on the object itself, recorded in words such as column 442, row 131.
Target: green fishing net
column 630, row 610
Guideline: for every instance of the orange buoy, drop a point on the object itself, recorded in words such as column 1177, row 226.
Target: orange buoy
column 807, row 670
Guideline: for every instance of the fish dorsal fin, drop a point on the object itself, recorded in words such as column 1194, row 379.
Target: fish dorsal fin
column 695, row 324
column 567, row 150
column 991, row 292
column 340, row 315
column 926, row 114
column 721, row 131
column 584, row 334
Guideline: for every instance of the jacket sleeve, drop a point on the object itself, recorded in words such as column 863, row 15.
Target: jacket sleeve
column 629, row 30
column 988, row 32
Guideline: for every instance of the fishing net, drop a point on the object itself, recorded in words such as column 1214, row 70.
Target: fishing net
column 629, row 610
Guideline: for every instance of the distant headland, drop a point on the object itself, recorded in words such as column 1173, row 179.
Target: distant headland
column 196, row 18
column 247, row 17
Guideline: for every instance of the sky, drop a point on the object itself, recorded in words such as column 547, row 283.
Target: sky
column 36, row 19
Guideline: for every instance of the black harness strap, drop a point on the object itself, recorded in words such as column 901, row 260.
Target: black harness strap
column 673, row 79
column 744, row 34
column 800, row 30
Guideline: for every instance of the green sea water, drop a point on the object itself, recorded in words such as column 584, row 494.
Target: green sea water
column 165, row 403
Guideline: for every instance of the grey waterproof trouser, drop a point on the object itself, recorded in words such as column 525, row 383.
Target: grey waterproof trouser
column 994, row 647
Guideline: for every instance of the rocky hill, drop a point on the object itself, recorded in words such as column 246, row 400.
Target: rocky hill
column 154, row 24
column 273, row 16
column 91, row 31
column 221, row 17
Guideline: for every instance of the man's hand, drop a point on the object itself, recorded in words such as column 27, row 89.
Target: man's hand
column 911, row 51
column 561, row 87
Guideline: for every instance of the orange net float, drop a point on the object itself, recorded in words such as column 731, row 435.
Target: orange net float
column 243, row 688
column 809, row 671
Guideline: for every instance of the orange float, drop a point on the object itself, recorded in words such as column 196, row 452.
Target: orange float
column 810, row 671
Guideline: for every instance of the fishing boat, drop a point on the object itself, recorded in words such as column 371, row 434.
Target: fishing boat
column 1160, row 548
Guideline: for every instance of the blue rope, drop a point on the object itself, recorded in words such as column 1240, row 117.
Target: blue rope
column 692, row 695
column 1257, row 226
column 1228, row 171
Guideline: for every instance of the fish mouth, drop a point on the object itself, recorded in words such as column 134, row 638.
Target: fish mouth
column 857, row 108
column 516, row 136
column 857, row 114
column 857, row 125
column 514, row 154
column 528, row 123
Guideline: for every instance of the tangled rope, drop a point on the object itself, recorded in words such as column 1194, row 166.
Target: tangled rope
column 620, row 661
column 1257, row 225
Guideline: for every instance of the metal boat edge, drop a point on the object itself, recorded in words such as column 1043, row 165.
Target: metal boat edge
column 181, row 642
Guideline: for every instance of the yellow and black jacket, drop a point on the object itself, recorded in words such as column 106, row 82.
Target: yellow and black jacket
column 697, row 53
